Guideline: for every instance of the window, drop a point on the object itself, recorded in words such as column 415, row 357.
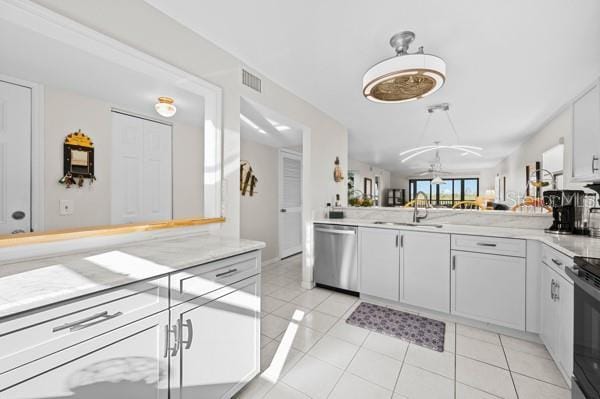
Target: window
column 445, row 195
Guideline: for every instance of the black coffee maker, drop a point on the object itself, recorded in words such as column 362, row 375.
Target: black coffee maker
column 567, row 210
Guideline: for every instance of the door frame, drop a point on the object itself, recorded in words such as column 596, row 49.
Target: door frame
column 37, row 198
column 282, row 252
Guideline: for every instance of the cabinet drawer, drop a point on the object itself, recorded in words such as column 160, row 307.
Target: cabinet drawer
column 556, row 260
column 201, row 280
column 490, row 245
column 40, row 334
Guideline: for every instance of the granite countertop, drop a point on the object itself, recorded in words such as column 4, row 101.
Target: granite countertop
column 570, row 245
column 30, row 284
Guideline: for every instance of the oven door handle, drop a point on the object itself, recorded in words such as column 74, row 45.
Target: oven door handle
column 586, row 287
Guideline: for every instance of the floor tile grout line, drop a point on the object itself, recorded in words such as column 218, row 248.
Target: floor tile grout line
column 508, row 365
column 539, row 380
column 401, row 368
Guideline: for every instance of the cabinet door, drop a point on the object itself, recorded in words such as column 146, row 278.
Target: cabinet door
column 548, row 309
column 489, row 288
column 127, row 363
column 425, row 274
column 219, row 344
column 379, row 262
column 565, row 302
column 586, row 135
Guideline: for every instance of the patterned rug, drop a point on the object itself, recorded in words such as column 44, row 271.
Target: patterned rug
column 419, row 330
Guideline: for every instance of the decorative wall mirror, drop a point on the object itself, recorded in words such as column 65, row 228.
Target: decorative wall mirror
column 153, row 160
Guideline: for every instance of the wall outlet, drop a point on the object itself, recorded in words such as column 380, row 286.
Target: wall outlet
column 67, row 207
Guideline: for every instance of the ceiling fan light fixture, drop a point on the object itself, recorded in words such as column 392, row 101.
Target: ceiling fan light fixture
column 437, row 180
column 405, row 77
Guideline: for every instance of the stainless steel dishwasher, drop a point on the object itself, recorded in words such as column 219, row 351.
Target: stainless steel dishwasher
column 336, row 253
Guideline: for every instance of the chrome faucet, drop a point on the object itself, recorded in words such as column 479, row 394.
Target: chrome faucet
column 416, row 217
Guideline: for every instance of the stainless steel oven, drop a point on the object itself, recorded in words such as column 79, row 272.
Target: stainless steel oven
column 586, row 331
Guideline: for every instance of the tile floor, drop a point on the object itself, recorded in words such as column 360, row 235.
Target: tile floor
column 308, row 351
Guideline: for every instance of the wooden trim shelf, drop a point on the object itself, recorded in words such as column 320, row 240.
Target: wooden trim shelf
column 97, row 231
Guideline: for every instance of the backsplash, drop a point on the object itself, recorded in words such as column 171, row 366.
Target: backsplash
column 521, row 220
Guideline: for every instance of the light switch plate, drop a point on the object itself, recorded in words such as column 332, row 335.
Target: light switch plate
column 67, row 207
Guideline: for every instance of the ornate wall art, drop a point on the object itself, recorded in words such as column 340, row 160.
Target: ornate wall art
column 338, row 174
column 78, row 161
column 248, row 180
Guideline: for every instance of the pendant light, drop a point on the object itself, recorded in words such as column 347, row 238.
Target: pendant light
column 463, row 149
column 164, row 107
column 405, row 77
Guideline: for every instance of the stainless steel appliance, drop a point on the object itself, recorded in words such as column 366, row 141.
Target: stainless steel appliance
column 336, row 253
column 586, row 331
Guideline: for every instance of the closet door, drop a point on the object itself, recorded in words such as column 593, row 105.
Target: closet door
column 141, row 170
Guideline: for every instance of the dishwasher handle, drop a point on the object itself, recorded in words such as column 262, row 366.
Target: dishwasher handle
column 334, row 231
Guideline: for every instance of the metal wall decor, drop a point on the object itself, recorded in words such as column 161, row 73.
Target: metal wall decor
column 338, row 174
column 248, row 180
column 78, row 159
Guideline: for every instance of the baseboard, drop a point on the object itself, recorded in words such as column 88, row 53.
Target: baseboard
column 269, row 261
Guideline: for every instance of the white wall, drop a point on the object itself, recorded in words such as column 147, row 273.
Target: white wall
column 365, row 170
column 324, row 138
column 67, row 112
column 259, row 213
column 558, row 129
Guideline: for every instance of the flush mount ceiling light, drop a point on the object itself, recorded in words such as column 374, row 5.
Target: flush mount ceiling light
column 405, row 77
column 164, row 107
column 463, row 149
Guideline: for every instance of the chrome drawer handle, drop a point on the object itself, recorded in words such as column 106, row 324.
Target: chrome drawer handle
column 190, row 335
column 557, row 262
column 227, row 273
column 486, row 244
column 84, row 323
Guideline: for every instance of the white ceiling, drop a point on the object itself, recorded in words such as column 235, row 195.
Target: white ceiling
column 36, row 58
column 511, row 64
column 266, row 127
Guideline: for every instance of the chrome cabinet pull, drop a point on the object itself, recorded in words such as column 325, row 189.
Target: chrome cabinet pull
column 397, row 239
column 227, row 273
column 190, row 333
column 594, row 168
column 401, row 241
column 167, row 332
column 85, row 322
column 486, row 244
column 453, row 262
column 557, row 293
column 557, row 262
column 552, row 289
column 176, row 344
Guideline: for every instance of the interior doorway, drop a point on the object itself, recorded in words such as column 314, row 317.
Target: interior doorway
column 271, row 180
column 290, row 203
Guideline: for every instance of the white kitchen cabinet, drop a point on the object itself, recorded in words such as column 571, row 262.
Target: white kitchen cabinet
column 379, row 262
column 557, row 318
column 425, row 270
column 586, row 135
column 219, row 347
column 489, row 288
column 129, row 362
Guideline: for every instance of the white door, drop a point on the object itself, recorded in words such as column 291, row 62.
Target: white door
column 586, row 135
column 141, row 170
column 290, row 203
column 379, row 260
column 220, row 343
column 489, row 288
column 565, row 309
column 425, row 274
column 548, row 316
column 15, row 158
column 129, row 362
